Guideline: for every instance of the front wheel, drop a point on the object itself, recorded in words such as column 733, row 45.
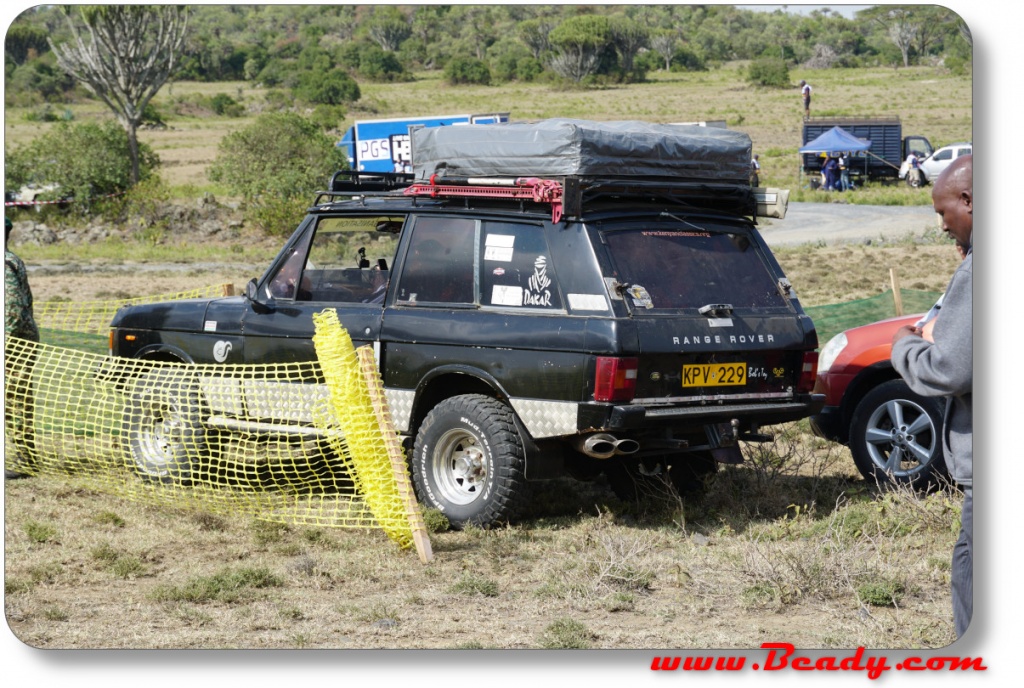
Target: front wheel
column 163, row 426
column 468, row 461
column 896, row 436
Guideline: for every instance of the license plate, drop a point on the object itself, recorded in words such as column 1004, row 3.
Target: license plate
column 714, row 374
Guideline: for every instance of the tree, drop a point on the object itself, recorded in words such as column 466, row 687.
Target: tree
column 130, row 52
column 388, row 28
column 578, row 43
column 628, row 37
column 911, row 27
column 664, row 43
column 275, row 163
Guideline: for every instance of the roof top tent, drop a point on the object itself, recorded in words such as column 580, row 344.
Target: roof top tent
column 707, row 165
column 382, row 145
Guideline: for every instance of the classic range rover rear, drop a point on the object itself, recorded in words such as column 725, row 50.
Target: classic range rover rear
column 636, row 325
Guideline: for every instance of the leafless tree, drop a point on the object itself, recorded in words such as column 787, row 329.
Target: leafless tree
column 124, row 54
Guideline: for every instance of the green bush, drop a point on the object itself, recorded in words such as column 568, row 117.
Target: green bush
column 768, row 72
column 333, row 87
column 226, row 106
column 275, row 163
column 378, row 65
column 467, row 70
column 87, row 160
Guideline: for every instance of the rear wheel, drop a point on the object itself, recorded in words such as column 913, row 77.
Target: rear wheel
column 896, row 436
column 163, row 426
column 468, row 461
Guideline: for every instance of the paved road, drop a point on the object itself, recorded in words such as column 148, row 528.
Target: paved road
column 836, row 223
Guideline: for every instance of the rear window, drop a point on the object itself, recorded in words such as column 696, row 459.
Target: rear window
column 688, row 269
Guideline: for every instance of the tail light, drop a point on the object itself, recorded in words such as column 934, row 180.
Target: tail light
column 615, row 379
column 808, row 372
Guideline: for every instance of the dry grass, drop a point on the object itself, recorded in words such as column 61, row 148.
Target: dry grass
column 791, row 545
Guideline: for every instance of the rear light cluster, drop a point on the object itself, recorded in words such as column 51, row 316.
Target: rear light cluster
column 808, row 372
column 615, row 379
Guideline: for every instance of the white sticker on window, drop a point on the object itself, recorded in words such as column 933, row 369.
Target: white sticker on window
column 504, row 240
column 501, row 253
column 506, row 296
column 587, row 302
column 210, row 326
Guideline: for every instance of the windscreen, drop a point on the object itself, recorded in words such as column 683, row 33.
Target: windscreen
column 666, row 269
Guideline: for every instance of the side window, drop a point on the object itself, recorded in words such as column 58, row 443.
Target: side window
column 944, row 155
column 439, row 265
column 516, row 269
column 348, row 261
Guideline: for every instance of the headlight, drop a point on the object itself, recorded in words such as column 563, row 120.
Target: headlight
column 830, row 352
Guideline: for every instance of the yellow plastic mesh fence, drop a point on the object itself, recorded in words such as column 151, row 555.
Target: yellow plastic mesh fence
column 93, row 317
column 294, row 443
column 832, row 319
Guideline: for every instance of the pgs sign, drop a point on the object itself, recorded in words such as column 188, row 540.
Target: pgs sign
column 383, row 145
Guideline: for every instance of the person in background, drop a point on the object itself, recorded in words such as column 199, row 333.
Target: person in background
column 755, row 172
column 19, row 322
column 805, row 91
column 844, row 171
column 944, row 367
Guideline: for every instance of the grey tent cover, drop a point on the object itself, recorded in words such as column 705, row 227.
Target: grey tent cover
column 570, row 147
column 836, row 139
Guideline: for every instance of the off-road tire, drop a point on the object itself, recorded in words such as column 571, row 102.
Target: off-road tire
column 468, row 461
column 163, row 427
column 896, row 437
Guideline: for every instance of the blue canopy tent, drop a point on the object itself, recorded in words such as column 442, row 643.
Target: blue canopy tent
column 837, row 140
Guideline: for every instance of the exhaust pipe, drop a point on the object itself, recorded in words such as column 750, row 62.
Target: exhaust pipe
column 604, row 446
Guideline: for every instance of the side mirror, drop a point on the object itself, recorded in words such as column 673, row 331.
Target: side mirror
column 252, row 296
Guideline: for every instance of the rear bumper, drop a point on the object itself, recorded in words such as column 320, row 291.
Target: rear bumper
column 632, row 417
column 827, row 423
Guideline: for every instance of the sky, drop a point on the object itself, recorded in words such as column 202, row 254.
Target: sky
column 845, row 10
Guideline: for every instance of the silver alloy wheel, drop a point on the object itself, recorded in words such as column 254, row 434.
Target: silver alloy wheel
column 459, row 466
column 160, row 436
column 901, row 437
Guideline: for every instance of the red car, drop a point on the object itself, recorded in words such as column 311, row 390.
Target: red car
column 895, row 435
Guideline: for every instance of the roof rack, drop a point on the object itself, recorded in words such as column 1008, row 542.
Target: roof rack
column 533, row 189
column 567, row 195
column 351, row 182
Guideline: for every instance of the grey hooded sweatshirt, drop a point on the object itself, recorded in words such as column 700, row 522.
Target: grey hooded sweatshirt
column 946, row 368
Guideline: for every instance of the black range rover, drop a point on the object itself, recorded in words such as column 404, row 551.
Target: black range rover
column 523, row 329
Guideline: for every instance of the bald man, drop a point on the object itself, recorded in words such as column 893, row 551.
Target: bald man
column 944, row 367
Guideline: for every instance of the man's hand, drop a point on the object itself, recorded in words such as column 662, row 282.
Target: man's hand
column 906, row 331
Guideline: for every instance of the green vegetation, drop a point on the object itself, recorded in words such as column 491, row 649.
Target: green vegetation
column 273, row 163
column 226, row 586
column 567, row 634
column 90, row 160
column 40, row 532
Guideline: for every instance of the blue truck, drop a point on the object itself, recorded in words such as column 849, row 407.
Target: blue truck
column 383, row 145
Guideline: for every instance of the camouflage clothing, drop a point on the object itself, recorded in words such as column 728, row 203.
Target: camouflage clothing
column 18, row 414
column 18, row 319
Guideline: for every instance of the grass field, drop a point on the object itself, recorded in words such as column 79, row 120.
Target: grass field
column 929, row 102
column 792, row 546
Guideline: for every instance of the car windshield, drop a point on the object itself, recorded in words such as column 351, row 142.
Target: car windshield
column 673, row 269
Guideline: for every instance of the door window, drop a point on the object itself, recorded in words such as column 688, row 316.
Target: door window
column 348, row 261
column 439, row 266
